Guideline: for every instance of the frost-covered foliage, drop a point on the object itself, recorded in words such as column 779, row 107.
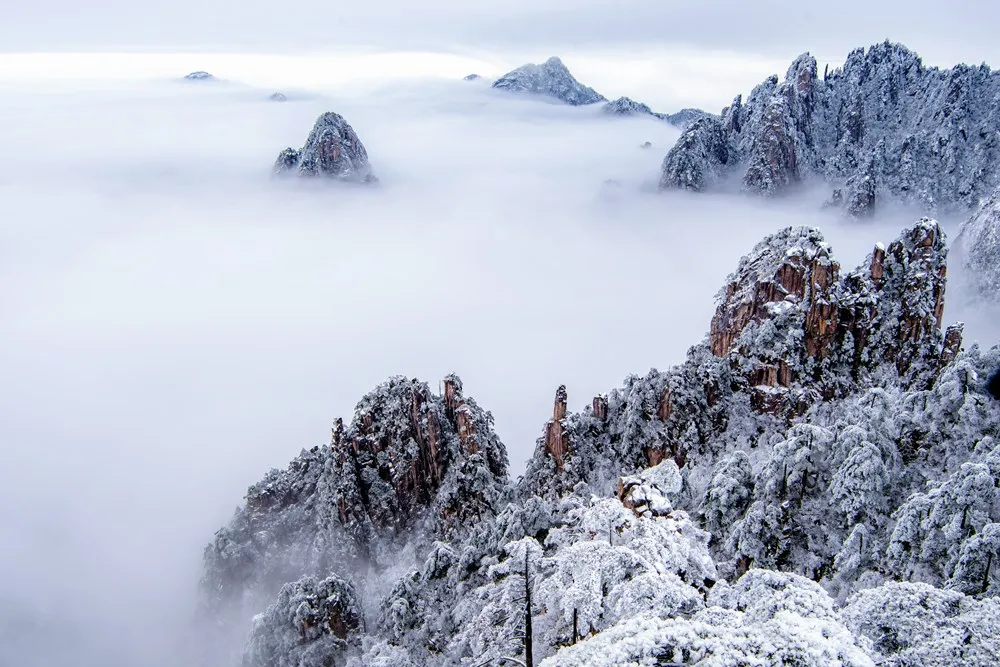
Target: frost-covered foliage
column 312, row 624
column 625, row 106
column 815, row 422
column 410, row 468
column 550, row 79
column 766, row 618
column 883, row 125
column 979, row 243
column 332, row 150
column 755, row 505
column 903, row 624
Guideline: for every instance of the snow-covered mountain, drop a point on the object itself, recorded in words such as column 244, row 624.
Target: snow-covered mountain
column 626, row 106
column 882, row 126
column 979, row 240
column 814, row 485
column 551, row 79
column 332, row 150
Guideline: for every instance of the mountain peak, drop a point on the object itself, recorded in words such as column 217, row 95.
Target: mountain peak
column 332, row 149
column 550, row 79
column 881, row 127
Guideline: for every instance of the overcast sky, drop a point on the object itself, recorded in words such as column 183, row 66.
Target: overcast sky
column 943, row 32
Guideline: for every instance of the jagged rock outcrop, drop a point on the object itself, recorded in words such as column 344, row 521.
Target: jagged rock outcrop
column 555, row 435
column 883, row 125
column 332, row 150
column 471, row 77
column 551, row 79
column 978, row 243
column 790, row 332
column 411, row 467
column 199, row 76
column 278, row 97
column 311, row 624
column 624, row 106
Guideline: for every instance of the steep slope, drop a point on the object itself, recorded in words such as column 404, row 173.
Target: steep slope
column 758, row 504
column 979, row 243
column 332, row 150
column 881, row 126
column 551, row 79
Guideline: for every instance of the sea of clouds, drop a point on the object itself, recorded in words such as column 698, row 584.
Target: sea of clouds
column 175, row 322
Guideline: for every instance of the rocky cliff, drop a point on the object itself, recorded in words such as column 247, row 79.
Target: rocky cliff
column 827, row 450
column 410, row 468
column 550, row 79
column 882, row 126
column 332, row 150
column 979, row 244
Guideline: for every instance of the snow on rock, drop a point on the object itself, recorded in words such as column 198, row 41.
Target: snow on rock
column 551, row 79
column 332, row 150
column 278, row 97
column 648, row 492
column 471, row 77
column 882, row 126
column 199, row 76
column 624, row 106
column 979, row 244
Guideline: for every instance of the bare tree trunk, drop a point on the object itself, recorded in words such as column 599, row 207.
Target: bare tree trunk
column 529, row 660
column 986, row 577
column 576, row 634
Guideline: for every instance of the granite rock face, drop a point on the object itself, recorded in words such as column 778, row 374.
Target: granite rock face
column 882, row 126
column 790, row 332
column 332, row 150
column 550, row 79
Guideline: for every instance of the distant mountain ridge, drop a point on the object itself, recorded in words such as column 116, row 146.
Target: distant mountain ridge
column 626, row 106
column 882, row 127
column 553, row 79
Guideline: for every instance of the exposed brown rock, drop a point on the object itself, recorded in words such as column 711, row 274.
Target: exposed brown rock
column 878, row 265
column 654, row 456
column 556, row 439
column 664, row 409
column 601, row 407
column 952, row 343
column 456, row 411
column 768, row 399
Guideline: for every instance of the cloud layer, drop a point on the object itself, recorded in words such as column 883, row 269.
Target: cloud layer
column 176, row 323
